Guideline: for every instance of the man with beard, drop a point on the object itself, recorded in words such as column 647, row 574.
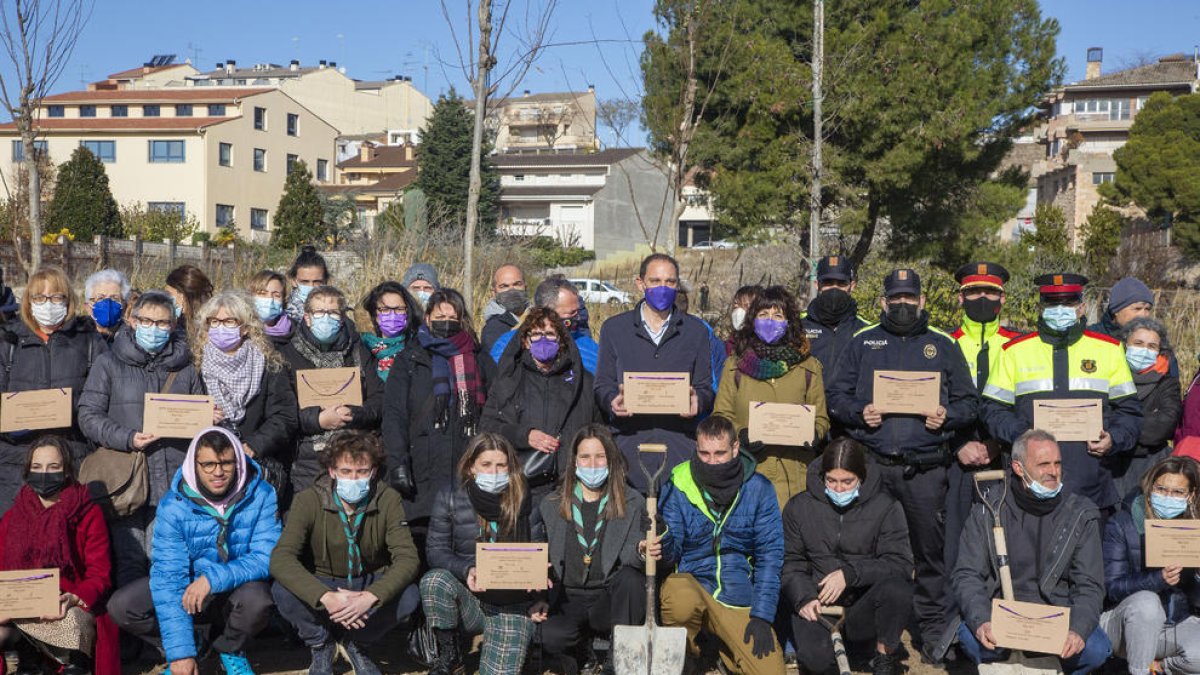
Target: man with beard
column 910, row 451
column 832, row 317
column 509, row 301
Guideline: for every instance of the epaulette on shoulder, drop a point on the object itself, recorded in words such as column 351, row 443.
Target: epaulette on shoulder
column 864, row 329
column 1101, row 336
column 958, row 333
column 1021, row 339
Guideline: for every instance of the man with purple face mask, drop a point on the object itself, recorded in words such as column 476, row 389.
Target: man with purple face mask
column 655, row 336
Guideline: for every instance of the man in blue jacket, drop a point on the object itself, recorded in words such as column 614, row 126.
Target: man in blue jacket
column 912, row 451
column 655, row 336
column 560, row 295
column 213, row 538
column 724, row 534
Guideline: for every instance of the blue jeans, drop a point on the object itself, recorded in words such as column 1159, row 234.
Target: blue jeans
column 1096, row 651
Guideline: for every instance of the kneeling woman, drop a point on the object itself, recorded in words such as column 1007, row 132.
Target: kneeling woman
column 846, row 544
column 593, row 525
column 488, row 502
column 1154, row 621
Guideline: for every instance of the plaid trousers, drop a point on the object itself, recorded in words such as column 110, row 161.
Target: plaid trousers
column 506, row 630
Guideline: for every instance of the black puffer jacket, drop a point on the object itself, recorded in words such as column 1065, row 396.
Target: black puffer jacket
column 868, row 540
column 1159, row 393
column 26, row 364
column 113, row 400
column 523, row 398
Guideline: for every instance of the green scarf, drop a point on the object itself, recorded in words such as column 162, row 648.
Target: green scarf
column 384, row 350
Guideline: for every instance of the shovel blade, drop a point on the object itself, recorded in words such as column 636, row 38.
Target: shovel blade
column 648, row 650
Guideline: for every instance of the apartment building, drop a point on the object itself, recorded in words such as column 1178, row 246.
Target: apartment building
column 221, row 154
column 374, row 178
column 544, row 123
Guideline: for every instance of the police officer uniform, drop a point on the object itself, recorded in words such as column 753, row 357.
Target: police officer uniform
column 1066, row 364
column 832, row 317
column 911, row 458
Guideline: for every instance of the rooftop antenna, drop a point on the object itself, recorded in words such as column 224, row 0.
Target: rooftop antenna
column 195, row 51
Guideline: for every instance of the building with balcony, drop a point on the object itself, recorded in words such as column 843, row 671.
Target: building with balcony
column 374, row 178
column 544, row 123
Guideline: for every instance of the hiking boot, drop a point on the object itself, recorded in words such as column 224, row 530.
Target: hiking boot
column 359, row 661
column 448, row 660
column 886, row 664
column 322, row 659
column 236, row 664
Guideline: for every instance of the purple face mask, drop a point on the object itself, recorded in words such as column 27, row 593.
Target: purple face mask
column 543, row 349
column 224, row 338
column 660, row 298
column 392, row 325
column 770, row 330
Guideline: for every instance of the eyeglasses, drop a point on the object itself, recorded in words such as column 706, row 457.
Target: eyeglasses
column 115, row 297
column 391, row 310
column 143, row 322
column 57, row 298
column 1164, row 491
column 211, row 467
column 322, row 314
column 228, row 323
column 538, row 335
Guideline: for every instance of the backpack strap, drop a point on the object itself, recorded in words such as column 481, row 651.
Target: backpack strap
column 166, row 389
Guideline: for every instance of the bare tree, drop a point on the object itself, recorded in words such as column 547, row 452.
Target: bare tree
column 38, row 37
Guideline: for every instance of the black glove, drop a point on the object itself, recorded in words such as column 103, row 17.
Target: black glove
column 744, row 441
column 402, row 480
column 764, row 638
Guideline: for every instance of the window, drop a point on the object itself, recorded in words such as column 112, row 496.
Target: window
column 119, row 111
column 1055, row 147
column 225, row 154
column 1119, row 109
column 150, row 110
column 166, row 152
column 258, row 219
column 183, row 110
column 87, row 111
column 105, row 151
column 224, row 215
column 291, row 161
column 293, row 124
column 1092, row 105
column 216, row 109
column 18, row 150
column 260, row 159
column 519, row 178
column 56, row 111
column 322, row 169
column 260, row 119
column 1102, row 177
column 167, row 207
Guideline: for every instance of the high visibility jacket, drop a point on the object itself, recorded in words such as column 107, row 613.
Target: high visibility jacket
column 1093, row 366
column 972, row 336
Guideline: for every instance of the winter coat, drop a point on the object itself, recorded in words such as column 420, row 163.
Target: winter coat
column 589, row 350
column 828, row 342
column 187, row 539
column 408, row 427
column 522, row 398
column 495, row 326
column 29, row 363
column 269, row 427
column 9, row 307
column 745, row 571
column 1158, row 392
column 867, row 540
column 314, row 544
column 1125, row 572
column 113, row 400
column 454, row 531
column 618, row 541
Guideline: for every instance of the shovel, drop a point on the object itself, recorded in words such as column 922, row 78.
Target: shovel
column 649, row 649
column 835, row 636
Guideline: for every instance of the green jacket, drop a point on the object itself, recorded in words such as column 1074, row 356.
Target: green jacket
column 314, row 544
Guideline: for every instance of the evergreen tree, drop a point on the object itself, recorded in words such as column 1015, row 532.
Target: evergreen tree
column 83, row 202
column 1049, row 236
column 1101, row 241
column 444, row 161
column 299, row 218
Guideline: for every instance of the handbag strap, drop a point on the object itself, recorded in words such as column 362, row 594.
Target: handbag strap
column 166, row 389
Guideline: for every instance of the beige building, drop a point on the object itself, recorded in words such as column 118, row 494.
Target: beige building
column 555, row 122
column 374, row 178
column 220, row 154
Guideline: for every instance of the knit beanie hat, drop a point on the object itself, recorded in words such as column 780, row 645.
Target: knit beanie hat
column 419, row 271
column 1126, row 292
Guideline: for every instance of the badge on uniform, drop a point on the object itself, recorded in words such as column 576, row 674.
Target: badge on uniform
column 1088, row 365
column 931, row 352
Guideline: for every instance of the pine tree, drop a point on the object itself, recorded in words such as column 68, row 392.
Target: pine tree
column 444, row 158
column 83, row 202
column 299, row 216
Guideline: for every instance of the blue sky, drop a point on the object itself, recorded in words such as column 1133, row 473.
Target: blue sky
column 375, row 39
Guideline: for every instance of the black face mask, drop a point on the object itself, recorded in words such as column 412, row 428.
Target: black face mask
column 445, row 329
column 47, row 484
column 833, row 305
column 981, row 309
column 903, row 313
column 514, row 301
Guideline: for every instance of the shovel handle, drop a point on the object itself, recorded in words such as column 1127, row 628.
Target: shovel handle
column 652, row 511
column 1006, row 585
column 994, row 474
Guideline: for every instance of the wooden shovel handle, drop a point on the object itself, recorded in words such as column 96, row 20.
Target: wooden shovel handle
column 652, row 511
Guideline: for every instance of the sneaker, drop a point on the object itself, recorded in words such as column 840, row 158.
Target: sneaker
column 359, row 661
column 886, row 664
column 322, row 659
column 236, row 664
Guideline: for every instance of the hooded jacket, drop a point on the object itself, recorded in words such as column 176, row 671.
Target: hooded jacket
column 230, row 545
column 867, row 540
column 747, row 539
column 113, row 400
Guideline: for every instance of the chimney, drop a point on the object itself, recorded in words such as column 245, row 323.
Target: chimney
column 220, row 65
column 333, row 64
column 365, row 152
column 408, row 152
column 230, row 66
column 321, row 64
column 526, row 93
column 591, row 88
column 1095, row 56
column 295, row 65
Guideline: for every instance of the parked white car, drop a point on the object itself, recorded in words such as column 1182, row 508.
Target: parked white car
column 594, row 290
column 721, row 244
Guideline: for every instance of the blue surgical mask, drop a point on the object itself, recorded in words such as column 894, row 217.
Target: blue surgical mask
column 353, row 490
column 1059, row 317
column 1168, row 507
column 300, row 294
column 1140, row 358
column 107, row 312
column 178, row 311
column 268, row 308
column 151, row 338
column 661, row 298
column 424, row 296
column 325, row 328
column 592, row 477
column 1041, row 491
column 493, row 483
column 842, row 499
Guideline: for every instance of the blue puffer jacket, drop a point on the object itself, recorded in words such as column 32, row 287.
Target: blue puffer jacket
column 1125, row 572
column 185, row 547
column 746, row 570
column 589, row 351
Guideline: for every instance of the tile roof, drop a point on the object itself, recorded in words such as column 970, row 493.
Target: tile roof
column 519, row 191
column 549, row 97
column 1177, row 69
column 142, row 70
column 275, row 70
column 131, row 124
column 186, row 94
column 391, row 183
column 384, row 157
column 565, row 159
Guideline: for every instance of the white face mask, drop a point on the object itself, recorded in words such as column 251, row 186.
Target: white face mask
column 737, row 317
column 49, row 314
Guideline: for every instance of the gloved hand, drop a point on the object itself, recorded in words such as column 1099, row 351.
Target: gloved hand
column 401, row 479
column 745, row 444
column 763, row 637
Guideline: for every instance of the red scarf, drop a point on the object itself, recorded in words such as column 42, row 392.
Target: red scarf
column 40, row 537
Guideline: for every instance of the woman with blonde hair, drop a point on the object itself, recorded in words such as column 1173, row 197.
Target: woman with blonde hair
column 488, row 502
column 248, row 381
column 48, row 348
column 270, row 291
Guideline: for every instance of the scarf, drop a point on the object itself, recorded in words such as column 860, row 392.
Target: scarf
column 454, row 357
column 282, row 327
column 1027, row 502
column 490, row 511
column 768, row 362
column 351, row 526
column 721, row 482
column 40, row 537
column 832, row 307
column 587, row 544
column 899, row 330
column 334, row 357
column 233, row 379
column 241, row 473
column 384, row 350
